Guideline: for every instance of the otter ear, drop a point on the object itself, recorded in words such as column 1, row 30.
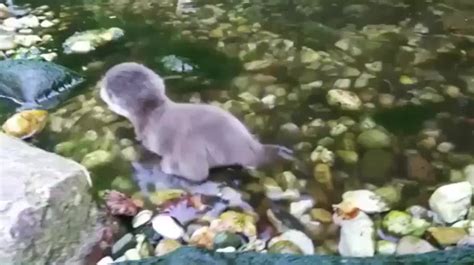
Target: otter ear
column 149, row 105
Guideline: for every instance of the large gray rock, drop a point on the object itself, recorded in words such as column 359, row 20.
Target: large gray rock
column 46, row 211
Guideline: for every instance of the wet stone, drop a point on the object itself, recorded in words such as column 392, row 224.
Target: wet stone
column 374, row 139
column 125, row 243
column 413, row 245
column 284, row 247
column 419, row 169
column 376, row 166
column 446, row 236
column 227, row 239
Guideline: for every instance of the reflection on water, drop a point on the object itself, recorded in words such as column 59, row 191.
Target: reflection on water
column 399, row 121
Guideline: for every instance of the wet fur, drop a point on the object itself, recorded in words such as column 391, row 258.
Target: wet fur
column 190, row 138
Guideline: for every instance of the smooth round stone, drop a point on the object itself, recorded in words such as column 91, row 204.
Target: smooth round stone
column 167, row 227
column 105, row 261
column 227, row 239
column 374, row 139
column 344, row 99
column 166, row 246
column 125, row 243
column 445, row 147
column 142, row 218
column 386, row 247
column 284, row 247
column 132, row 254
column 226, row 250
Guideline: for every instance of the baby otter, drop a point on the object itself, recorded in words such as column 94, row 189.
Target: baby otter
column 190, row 138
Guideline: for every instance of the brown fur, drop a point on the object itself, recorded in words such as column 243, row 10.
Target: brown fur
column 190, row 138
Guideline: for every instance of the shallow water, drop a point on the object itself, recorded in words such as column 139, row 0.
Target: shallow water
column 421, row 96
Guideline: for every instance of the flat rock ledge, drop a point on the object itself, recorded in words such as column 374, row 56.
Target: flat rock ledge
column 47, row 215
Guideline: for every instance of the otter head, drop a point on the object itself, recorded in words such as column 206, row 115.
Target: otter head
column 132, row 90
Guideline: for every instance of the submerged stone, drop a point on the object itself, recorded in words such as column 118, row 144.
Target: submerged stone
column 451, row 202
column 29, row 84
column 344, row 99
column 374, row 139
column 84, row 42
column 376, row 166
column 284, row 247
column 446, row 236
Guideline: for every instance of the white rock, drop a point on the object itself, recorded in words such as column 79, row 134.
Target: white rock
column 342, row 83
column 141, row 218
column 297, row 209
column 12, row 22
column 226, row 250
column 105, row 261
column 7, row 42
column 29, row 21
column 132, row 254
column 269, row 101
column 451, row 202
column 82, row 47
column 27, row 40
column 366, row 200
column 357, row 237
column 46, row 24
column 167, row 227
column 413, row 245
column 346, row 100
column 469, row 173
column 49, row 56
column 298, row 238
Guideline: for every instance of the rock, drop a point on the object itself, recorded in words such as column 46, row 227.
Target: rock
column 419, row 169
column 123, row 184
column 469, row 174
column 26, row 124
column 7, row 41
column 97, row 159
column 345, row 100
column 413, row 245
column 166, row 246
column 374, row 139
column 392, row 194
column 401, row 224
column 321, row 215
column 141, row 218
column 322, row 174
column 302, row 241
column 445, row 147
column 45, row 201
column 451, row 202
column 357, row 237
column 374, row 66
column 84, row 42
column 365, row 200
column 27, row 40
column 284, row 247
column 203, row 237
column 46, row 24
column 235, row 222
column 161, row 196
column 227, row 239
column 132, row 254
column 124, row 244
column 349, row 157
column 376, row 166
column 446, row 236
column 167, row 227
column 105, row 261
column 322, row 154
column 342, row 83
column 257, row 65
column 297, row 209
column 385, row 247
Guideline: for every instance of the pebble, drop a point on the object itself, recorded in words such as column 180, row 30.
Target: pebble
column 298, row 238
column 445, row 147
column 125, row 243
column 132, row 254
column 297, row 209
column 446, row 236
column 345, row 100
column 166, row 246
column 321, row 215
column 385, row 247
column 105, row 261
column 46, row 24
column 284, row 247
column 167, row 227
column 342, row 83
column 96, row 159
column 413, row 245
column 374, row 139
column 141, row 218
column 452, row 202
column 366, row 200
